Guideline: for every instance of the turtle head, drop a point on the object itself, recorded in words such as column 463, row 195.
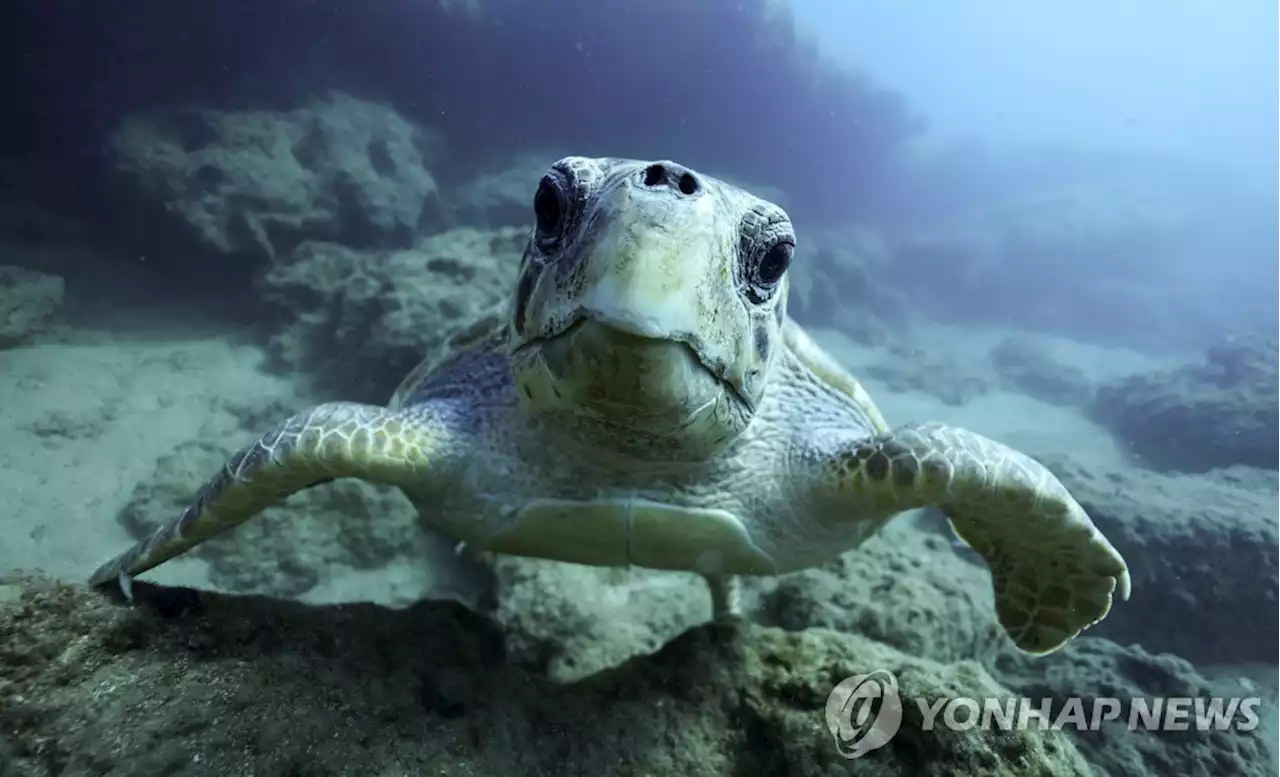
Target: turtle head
column 650, row 303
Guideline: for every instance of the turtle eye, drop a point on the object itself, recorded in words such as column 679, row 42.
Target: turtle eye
column 549, row 206
column 768, row 271
column 774, row 263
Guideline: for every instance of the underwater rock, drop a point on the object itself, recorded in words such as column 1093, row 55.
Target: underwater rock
column 569, row 621
column 29, row 304
column 1090, row 669
column 252, row 185
column 1025, row 364
column 1223, row 412
column 936, row 374
column 1202, row 550
column 362, row 320
column 187, row 683
column 906, row 588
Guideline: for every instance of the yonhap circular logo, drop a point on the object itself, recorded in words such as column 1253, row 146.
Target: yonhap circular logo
column 864, row 712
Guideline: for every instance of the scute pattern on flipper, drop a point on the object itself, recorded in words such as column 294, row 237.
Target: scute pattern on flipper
column 1053, row 572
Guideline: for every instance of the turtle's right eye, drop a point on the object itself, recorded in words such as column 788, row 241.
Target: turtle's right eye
column 549, row 206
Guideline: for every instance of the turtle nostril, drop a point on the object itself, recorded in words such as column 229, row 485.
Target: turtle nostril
column 676, row 177
column 653, row 175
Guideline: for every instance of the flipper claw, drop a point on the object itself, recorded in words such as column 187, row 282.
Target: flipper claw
column 126, row 585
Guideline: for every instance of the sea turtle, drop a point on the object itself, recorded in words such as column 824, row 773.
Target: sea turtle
column 643, row 399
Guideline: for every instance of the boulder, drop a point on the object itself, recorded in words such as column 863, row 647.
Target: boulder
column 1222, row 412
column 251, row 185
column 362, row 320
column 1029, row 367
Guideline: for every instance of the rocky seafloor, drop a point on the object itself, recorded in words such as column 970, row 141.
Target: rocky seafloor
column 187, row 683
column 250, row 661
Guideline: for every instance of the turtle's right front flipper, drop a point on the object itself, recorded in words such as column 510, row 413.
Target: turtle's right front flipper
column 330, row 441
column 1053, row 573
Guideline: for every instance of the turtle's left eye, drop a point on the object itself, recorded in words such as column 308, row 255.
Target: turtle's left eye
column 775, row 262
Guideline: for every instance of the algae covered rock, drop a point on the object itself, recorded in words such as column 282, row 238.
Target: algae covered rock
column 1091, row 669
column 364, row 319
column 569, row 621
column 251, row 185
column 907, row 588
column 1222, row 412
column 194, row 684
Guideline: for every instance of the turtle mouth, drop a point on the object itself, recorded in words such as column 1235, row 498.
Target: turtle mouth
column 593, row 339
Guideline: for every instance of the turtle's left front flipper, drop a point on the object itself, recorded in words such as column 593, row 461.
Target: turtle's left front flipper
column 330, row 441
column 1053, row 572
